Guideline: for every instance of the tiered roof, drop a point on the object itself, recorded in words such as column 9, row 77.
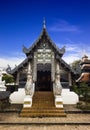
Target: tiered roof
column 29, row 51
column 85, row 68
column 35, row 44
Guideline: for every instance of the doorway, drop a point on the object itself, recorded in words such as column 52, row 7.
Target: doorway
column 43, row 82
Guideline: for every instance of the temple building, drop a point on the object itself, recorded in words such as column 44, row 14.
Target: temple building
column 43, row 74
column 85, row 69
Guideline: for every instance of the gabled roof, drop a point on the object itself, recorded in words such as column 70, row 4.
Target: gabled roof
column 60, row 52
column 44, row 33
column 67, row 66
column 85, row 77
column 19, row 66
column 63, row 63
column 85, row 60
column 85, row 68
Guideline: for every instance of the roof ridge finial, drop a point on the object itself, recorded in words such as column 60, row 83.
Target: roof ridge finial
column 44, row 23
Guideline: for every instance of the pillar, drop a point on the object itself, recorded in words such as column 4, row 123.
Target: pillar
column 70, row 79
column 17, row 78
column 53, row 68
column 35, row 67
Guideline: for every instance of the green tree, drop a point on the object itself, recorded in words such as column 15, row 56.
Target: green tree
column 83, row 90
column 8, row 78
column 76, row 65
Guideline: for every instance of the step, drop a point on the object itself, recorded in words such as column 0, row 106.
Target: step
column 54, row 108
column 43, row 115
column 43, row 106
column 42, row 111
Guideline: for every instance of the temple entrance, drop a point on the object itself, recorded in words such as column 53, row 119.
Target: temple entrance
column 43, row 81
column 43, row 78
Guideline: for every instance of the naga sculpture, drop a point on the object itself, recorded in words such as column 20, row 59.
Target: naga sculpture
column 29, row 87
column 57, row 84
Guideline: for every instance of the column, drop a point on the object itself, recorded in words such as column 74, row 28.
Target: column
column 35, row 67
column 70, row 79
column 17, row 78
column 53, row 67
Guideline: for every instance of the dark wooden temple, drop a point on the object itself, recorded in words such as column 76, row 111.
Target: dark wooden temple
column 43, row 55
column 46, row 64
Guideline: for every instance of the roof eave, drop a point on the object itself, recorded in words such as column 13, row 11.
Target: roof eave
column 28, row 51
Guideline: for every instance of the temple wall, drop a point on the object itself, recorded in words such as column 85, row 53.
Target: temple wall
column 22, row 74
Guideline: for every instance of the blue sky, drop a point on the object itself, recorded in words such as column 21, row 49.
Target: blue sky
column 21, row 22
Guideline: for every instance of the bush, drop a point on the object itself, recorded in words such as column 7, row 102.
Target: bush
column 82, row 89
column 8, row 78
column 3, row 104
column 82, row 105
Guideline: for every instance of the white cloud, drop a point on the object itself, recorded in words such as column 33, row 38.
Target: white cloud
column 70, row 58
column 75, row 52
column 71, row 47
column 11, row 58
column 12, row 61
column 64, row 26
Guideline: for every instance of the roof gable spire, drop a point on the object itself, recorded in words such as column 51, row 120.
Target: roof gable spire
column 44, row 23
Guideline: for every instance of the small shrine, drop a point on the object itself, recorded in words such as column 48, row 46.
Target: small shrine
column 2, row 83
column 85, row 70
column 4, row 94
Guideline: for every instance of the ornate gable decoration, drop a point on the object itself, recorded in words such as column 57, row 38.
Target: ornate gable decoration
column 44, row 55
column 43, row 41
column 43, row 50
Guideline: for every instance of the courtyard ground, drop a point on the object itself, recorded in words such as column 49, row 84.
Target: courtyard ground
column 44, row 127
column 12, row 121
column 74, row 121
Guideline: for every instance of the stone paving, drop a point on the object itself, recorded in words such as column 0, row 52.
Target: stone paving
column 44, row 127
column 71, row 118
column 74, row 118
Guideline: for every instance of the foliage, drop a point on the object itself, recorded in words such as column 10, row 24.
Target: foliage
column 76, row 65
column 3, row 104
column 82, row 105
column 8, row 78
column 83, row 90
column 76, row 89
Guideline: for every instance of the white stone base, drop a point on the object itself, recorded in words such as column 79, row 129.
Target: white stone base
column 3, row 88
column 27, row 101
column 69, row 97
column 58, row 101
column 17, row 97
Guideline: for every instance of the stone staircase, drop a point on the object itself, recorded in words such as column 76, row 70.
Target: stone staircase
column 43, row 106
